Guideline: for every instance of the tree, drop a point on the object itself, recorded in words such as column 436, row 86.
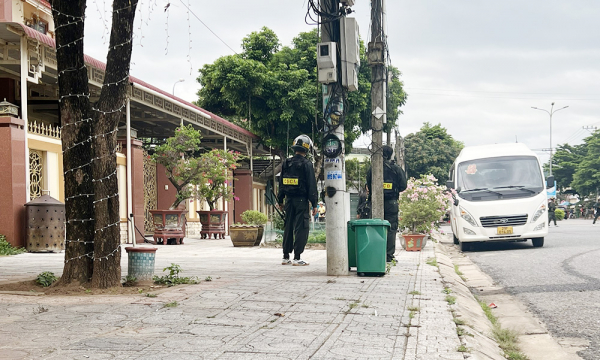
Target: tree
column 216, row 167
column 356, row 173
column 89, row 142
column 586, row 179
column 279, row 89
column 181, row 159
column 431, row 150
column 565, row 162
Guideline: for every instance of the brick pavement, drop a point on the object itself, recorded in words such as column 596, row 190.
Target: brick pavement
column 233, row 316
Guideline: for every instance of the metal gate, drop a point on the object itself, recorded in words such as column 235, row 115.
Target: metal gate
column 150, row 195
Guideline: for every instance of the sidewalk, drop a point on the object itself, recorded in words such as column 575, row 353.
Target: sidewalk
column 234, row 315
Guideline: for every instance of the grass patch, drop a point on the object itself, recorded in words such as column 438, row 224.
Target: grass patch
column 317, row 237
column 506, row 339
column 151, row 295
column 413, row 308
column 412, row 314
column 451, row 299
column 457, row 271
column 7, row 249
column 46, row 279
column 458, row 321
column 353, row 305
column 172, row 304
column 447, row 290
column 432, row 262
column 462, row 348
column 415, row 292
column 173, row 278
column 339, row 298
column 460, row 331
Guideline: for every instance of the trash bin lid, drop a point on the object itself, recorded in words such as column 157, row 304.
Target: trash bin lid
column 370, row 222
column 44, row 200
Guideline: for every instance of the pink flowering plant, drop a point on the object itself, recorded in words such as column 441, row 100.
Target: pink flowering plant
column 216, row 167
column 422, row 205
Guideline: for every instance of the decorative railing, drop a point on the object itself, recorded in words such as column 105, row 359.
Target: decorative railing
column 44, row 130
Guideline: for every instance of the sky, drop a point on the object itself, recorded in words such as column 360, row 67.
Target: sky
column 475, row 67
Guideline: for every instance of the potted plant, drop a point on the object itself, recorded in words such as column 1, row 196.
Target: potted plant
column 243, row 234
column 215, row 183
column 421, row 207
column 181, row 158
column 253, row 217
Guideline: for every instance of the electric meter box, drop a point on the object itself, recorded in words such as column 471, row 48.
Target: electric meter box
column 326, row 62
column 350, row 52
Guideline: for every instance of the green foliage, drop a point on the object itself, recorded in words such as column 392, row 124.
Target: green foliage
column 180, row 156
column 432, row 261
column 451, row 299
column 422, row 205
column 279, row 88
column 254, row 217
column 215, row 169
column 7, row 249
column 317, row 237
column 46, row 279
column 278, row 222
column 586, row 179
column 173, row 278
column 171, row 304
column 565, row 162
column 431, row 151
column 356, row 173
column 559, row 213
column 129, row 281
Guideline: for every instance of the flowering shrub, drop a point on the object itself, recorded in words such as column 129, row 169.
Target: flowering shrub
column 422, row 205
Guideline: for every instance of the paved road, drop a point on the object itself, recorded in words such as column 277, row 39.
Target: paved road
column 560, row 282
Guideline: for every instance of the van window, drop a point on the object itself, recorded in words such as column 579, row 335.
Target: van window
column 517, row 176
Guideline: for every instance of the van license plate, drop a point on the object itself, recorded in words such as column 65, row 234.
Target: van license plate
column 504, row 230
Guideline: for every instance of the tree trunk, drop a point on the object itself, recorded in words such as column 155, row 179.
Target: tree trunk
column 110, row 106
column 74, row 106
column 93, row 222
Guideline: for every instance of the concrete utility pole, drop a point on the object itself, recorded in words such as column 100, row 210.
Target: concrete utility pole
column 334, row 168
column 399, row 150
column 378, row 90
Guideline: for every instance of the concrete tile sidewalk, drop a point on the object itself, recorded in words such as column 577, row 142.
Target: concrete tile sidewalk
column 233, row 316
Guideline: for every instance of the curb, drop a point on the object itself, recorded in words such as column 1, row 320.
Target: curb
column 480, row 344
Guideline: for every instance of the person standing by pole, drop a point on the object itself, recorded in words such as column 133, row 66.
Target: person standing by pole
column 297, row 184
column 551, row 214
column 394, row 182
column 596, row 210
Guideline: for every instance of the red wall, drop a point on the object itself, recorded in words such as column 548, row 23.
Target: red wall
column 137, row 187
column 242, row 187
column 164, row 197
column 12, row 178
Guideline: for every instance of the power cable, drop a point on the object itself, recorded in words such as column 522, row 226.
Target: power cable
column 209, row 29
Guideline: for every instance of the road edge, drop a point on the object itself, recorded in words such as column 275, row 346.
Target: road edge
column 534, row 339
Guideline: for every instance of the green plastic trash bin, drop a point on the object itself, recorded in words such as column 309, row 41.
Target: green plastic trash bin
column 371, row 246
column 351, row 245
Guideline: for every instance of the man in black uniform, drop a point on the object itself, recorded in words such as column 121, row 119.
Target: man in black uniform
column 394, row 182
column 551, row 212
column 297, row 184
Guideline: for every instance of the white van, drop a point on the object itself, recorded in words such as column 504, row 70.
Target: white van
column 500, row 195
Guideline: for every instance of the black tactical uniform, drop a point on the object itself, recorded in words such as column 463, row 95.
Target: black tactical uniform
column 394, row 182
column 551, row 212
column 298, row 185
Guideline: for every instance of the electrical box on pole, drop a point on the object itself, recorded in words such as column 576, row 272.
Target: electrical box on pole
column 327, row 62
column 349, row 52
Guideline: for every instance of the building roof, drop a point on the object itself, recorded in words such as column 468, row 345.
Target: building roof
column 47, row 40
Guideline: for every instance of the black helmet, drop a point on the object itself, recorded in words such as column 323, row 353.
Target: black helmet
column 387, row 152
column 302, row 143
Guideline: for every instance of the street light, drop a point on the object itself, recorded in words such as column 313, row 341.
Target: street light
column 176, row 82
column 550, row 113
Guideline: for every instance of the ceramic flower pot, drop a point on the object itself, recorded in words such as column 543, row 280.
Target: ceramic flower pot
column 243, row 235
column 414, row 242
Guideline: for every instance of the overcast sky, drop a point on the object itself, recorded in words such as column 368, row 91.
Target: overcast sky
column 477, row 67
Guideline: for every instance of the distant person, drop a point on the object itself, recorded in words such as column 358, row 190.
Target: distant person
column 551, row 214
column 363, row 210
column 596, row 210
column 297, row 184
column 394, row 182
column 322, row 210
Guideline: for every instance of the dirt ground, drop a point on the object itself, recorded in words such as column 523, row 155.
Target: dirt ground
column 58, row 290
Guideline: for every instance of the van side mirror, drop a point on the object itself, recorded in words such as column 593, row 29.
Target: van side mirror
column 550, row 181
column 450, row 184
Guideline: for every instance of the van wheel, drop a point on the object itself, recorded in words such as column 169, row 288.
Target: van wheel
column 537, row 242
column 464, row 246
column 455, row 239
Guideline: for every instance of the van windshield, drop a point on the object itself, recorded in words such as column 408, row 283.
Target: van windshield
column 501, row 177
